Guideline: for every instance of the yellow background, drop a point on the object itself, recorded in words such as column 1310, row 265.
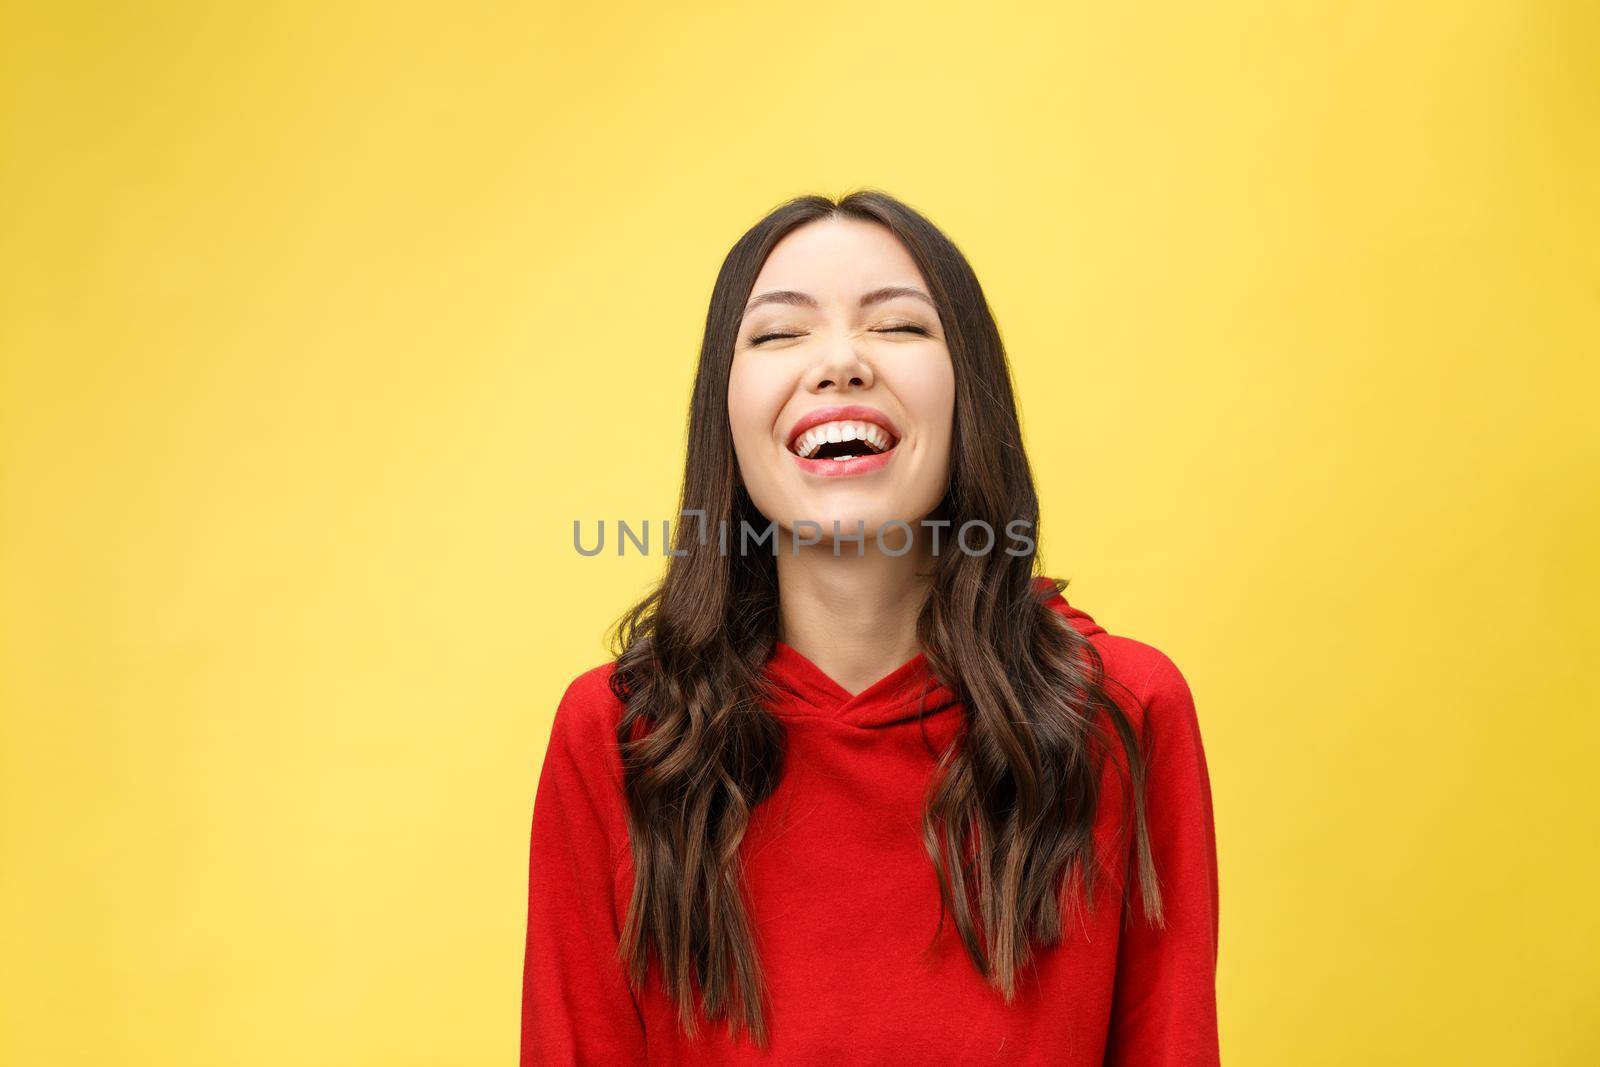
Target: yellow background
column 321, row 325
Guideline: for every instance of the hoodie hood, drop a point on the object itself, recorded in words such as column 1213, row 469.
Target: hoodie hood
column 1081, row 620
column 910, row 692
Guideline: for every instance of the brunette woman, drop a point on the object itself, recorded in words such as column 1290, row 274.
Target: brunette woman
column 861, row 787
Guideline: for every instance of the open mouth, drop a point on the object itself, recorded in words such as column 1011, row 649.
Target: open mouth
column 842, row 440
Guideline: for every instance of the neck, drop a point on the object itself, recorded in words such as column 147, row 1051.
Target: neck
column 855, row 617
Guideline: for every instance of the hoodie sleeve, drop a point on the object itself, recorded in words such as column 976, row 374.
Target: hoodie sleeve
column 577, row 1007
column 1164, row 1009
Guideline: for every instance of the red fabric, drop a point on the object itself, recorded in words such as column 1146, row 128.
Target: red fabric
column 844, row 900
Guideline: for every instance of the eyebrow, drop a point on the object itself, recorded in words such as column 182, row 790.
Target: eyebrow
column 799, row 299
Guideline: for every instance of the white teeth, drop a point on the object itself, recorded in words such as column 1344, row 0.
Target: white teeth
column 807, row 443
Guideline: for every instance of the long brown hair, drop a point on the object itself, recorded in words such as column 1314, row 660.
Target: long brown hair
column 1009, row 819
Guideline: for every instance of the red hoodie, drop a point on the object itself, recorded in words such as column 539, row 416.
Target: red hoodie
column 843, row 898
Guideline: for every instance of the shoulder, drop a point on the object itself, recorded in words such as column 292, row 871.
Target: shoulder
column 1143, row 668
column 588, row 713
column 1161, row 697
column 1155, row 695
column 581, row 781
column 590, row 691
column 1141, row 676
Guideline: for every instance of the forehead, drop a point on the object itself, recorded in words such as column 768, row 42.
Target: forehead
column 838, row 256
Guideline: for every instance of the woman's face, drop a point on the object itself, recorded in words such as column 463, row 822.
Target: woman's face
column 842, row 393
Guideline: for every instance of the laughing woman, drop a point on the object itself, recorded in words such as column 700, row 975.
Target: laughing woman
column 860, row 786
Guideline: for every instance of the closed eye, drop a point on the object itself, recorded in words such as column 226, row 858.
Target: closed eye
column 891, row 329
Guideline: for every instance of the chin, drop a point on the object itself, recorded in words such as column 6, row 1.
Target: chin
column 869, row 517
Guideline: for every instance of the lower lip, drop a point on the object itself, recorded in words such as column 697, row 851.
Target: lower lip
column 845, row 468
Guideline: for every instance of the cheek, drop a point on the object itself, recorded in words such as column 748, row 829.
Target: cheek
column 930, row 397
column 754, row 401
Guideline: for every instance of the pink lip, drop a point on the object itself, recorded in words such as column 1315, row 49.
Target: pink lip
column 844, row 468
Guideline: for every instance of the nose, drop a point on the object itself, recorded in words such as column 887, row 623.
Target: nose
column 841, row 368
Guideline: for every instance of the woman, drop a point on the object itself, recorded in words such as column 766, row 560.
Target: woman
column 859, row 786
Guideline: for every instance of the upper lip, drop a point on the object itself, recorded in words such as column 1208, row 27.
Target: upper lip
column 849, row 413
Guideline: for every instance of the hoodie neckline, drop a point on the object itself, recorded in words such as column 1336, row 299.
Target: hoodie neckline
column 907, row 692
column 910, row 691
